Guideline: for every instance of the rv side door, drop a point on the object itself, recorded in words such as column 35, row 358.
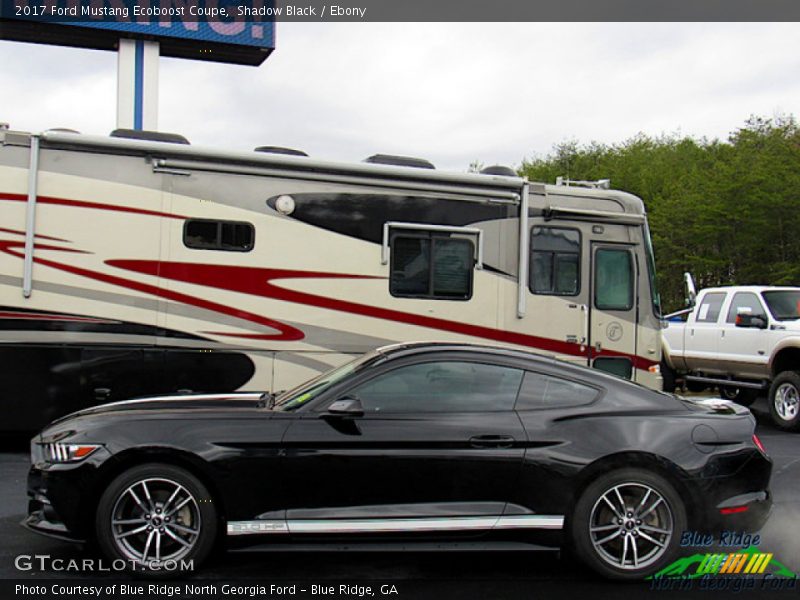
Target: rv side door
column 614, row 308
column 558, row 288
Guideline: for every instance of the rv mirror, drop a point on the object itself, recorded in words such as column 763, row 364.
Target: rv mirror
column 691, row 290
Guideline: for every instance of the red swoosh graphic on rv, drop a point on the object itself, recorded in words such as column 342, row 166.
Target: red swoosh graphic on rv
column 259, row 282
column 286, row 332
column 94, row 205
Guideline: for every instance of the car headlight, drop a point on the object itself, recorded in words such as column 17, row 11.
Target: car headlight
column 62, row 452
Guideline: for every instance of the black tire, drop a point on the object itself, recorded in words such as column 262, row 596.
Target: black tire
column 138, row 515
column 696, row 386
column 784, row 400
column 743, row 396
column 614, row 557
column 668, row 375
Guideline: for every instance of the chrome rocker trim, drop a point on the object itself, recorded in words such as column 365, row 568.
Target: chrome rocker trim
column 399, row 525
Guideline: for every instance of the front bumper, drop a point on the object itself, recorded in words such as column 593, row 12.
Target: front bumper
column 43, row 519
column 57, row 501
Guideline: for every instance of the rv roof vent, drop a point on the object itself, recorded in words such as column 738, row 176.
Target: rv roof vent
column 63, row 130
column 499, row 170
column 4, row 126
column 401, row 161
column 280, row 150
column 151, row 136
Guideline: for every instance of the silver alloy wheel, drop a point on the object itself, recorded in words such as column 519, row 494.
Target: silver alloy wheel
column 155, row 520
column 631, row 526
column 786, row 401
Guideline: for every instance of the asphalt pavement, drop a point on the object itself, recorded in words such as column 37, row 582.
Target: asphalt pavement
column 414, row 574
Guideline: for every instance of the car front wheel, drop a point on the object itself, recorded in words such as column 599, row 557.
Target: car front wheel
column 627, row 524
column 157, row 518
column 784, row 400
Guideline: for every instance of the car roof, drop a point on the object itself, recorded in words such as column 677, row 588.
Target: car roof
column 403, row 349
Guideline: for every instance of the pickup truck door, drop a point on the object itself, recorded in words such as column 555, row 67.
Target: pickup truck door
column 701, row 341
column 744, row 351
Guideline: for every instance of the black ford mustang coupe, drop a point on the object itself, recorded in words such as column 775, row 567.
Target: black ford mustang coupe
column 451, row 443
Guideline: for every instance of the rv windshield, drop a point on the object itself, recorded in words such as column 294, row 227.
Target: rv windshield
column 305, row 392
column 651, row 270
column 783, row 304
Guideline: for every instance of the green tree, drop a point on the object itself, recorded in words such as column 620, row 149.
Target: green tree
column 727, row 211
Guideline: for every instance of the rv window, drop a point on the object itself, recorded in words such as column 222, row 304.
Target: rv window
column 613, row 279
column 555, row 261
column 233, row 236
column 428, row 265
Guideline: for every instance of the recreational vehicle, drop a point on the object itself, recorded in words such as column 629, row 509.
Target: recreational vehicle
column 139, row 264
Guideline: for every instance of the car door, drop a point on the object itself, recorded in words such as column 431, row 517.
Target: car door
column 438, row 446
column 702, row 334
column 744, row 350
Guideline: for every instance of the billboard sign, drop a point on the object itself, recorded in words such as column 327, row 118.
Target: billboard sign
column 238, row 31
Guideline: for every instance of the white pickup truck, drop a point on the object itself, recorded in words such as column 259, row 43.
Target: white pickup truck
column 743, row 339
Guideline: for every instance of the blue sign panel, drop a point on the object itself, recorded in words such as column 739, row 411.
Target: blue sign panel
column 203, row 29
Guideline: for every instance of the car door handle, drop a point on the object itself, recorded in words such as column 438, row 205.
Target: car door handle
column 491, row 441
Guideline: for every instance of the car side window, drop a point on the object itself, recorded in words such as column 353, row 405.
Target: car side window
column 545, row 391
column 708, row 311
column 747, row 301
column 444, row 386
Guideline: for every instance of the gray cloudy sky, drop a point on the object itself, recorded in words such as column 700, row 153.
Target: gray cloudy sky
column 449, row 92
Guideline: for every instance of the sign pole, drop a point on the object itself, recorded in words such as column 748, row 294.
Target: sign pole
column 137, row 85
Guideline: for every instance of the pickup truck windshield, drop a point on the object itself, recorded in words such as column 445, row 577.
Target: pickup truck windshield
column 784, row 304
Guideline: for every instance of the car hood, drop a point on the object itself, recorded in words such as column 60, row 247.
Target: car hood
column 175, row 402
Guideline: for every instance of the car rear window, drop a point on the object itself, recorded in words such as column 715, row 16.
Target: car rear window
column 546, row 391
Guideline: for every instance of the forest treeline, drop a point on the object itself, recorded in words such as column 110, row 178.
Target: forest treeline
column 728, row 211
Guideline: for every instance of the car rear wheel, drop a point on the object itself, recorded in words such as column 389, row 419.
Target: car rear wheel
column 784, row 400
column 627, row 524
column 743, row 396
column 156, row 518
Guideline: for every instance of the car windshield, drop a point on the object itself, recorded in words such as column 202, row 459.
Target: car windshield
column 783, row 304
column 307, row 391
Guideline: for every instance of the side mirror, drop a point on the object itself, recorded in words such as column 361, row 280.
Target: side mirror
column 745, row 319
column 691, row 290
column 348, row 406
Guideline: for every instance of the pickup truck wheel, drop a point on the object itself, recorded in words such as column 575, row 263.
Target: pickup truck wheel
column 743, row 396
column 668, row 375
column 696, row 386
column 784, row 400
